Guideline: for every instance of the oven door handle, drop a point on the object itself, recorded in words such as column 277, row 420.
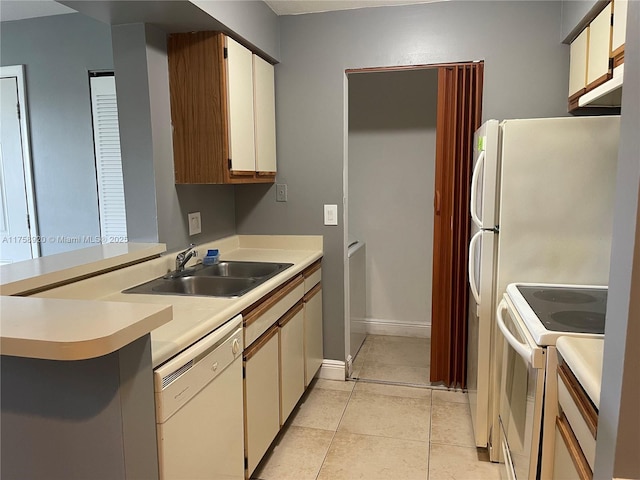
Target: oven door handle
column 523, row 349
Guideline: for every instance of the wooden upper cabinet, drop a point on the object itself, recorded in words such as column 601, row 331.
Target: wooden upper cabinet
column 265, row 114
column 619, row 30
column 211, row 79
column 593, row 53
column 598, row 66
column 242, row 149
column 578, row 65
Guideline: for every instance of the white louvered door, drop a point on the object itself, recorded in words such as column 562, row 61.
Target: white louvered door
column 106, row 135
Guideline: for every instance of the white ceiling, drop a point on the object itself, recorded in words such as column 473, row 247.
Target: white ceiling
column 21, row 9
column 297, row 7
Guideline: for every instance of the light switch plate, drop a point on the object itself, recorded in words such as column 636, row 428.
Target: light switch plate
column 331, row 215
column 195, row 225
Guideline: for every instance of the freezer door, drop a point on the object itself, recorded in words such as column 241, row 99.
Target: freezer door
column 485, row 173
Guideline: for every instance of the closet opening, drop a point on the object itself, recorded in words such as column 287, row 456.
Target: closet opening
column 407, row 175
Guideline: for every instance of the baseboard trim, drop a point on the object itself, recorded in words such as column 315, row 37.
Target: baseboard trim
column 332, row 370
column 374, row 326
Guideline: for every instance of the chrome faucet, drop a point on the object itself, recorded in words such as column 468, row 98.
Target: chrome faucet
column 183, row 257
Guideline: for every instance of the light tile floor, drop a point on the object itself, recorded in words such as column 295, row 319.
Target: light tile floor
column 358, row 430
column 394, row 359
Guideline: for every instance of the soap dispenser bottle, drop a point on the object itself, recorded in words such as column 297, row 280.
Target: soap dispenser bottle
column 211, row 258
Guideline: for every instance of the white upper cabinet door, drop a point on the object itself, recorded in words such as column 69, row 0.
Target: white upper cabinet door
column 599, row 46
column 619, row 24
column 578, row 63
column 240, row 98
column 265, row 115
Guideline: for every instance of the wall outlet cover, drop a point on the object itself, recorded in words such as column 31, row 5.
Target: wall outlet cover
column 195, row 224
column 281, row 192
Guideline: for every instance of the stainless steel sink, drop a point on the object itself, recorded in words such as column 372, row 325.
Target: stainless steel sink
column 226, row 279
column 241, row 269
column 197, row 286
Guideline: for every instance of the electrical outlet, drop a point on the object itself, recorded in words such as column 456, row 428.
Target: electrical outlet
column 195, row 225
column 331, row 215
column 281, row 192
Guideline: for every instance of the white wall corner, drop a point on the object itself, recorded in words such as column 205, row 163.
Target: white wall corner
column 332, row 370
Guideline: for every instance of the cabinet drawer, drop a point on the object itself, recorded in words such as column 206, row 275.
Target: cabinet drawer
column 579, row 412
column 258, row 318
column 312, row 276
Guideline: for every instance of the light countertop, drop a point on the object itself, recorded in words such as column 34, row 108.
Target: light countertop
column 30, row 275
column 584, row 357
column 56, row 329
column 194, row 317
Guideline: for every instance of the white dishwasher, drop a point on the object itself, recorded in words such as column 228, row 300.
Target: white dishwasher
column 199, row 411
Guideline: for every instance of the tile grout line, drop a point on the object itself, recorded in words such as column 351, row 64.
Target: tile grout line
column 336, row 430
column 430, row 431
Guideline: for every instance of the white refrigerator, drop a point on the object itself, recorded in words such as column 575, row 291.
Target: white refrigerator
column 541, row 206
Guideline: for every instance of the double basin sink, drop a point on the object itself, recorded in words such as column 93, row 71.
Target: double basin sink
column 225, row 279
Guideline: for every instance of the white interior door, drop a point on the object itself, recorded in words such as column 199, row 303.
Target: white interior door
column 18, row 241
column 106, row 138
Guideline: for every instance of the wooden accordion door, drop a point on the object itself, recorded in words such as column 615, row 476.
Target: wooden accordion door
column 459, row 115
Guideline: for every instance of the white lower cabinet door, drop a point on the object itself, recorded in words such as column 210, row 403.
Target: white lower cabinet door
column 313, row 349
column 568, row 462
column 291, row 360
column 261, row 396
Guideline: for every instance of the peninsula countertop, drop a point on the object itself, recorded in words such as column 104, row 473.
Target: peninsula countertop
column 58, row 329
column 32, row 275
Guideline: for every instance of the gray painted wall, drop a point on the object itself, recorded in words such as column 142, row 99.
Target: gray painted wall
column 252, row 20
column 619, row 417
column 157, row 209
column 136, row 140
column 58, row 52
column 526, row 73
column 392, row 146
column 575, row 15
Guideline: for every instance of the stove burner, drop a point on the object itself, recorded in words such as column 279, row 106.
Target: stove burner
column 567, row 309
column 563, row 296
column 578, row 321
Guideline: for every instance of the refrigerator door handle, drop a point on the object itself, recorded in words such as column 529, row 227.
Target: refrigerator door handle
column 474, row 189
column 472, row 265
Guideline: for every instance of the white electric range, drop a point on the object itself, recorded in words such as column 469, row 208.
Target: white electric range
column 538, row 314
